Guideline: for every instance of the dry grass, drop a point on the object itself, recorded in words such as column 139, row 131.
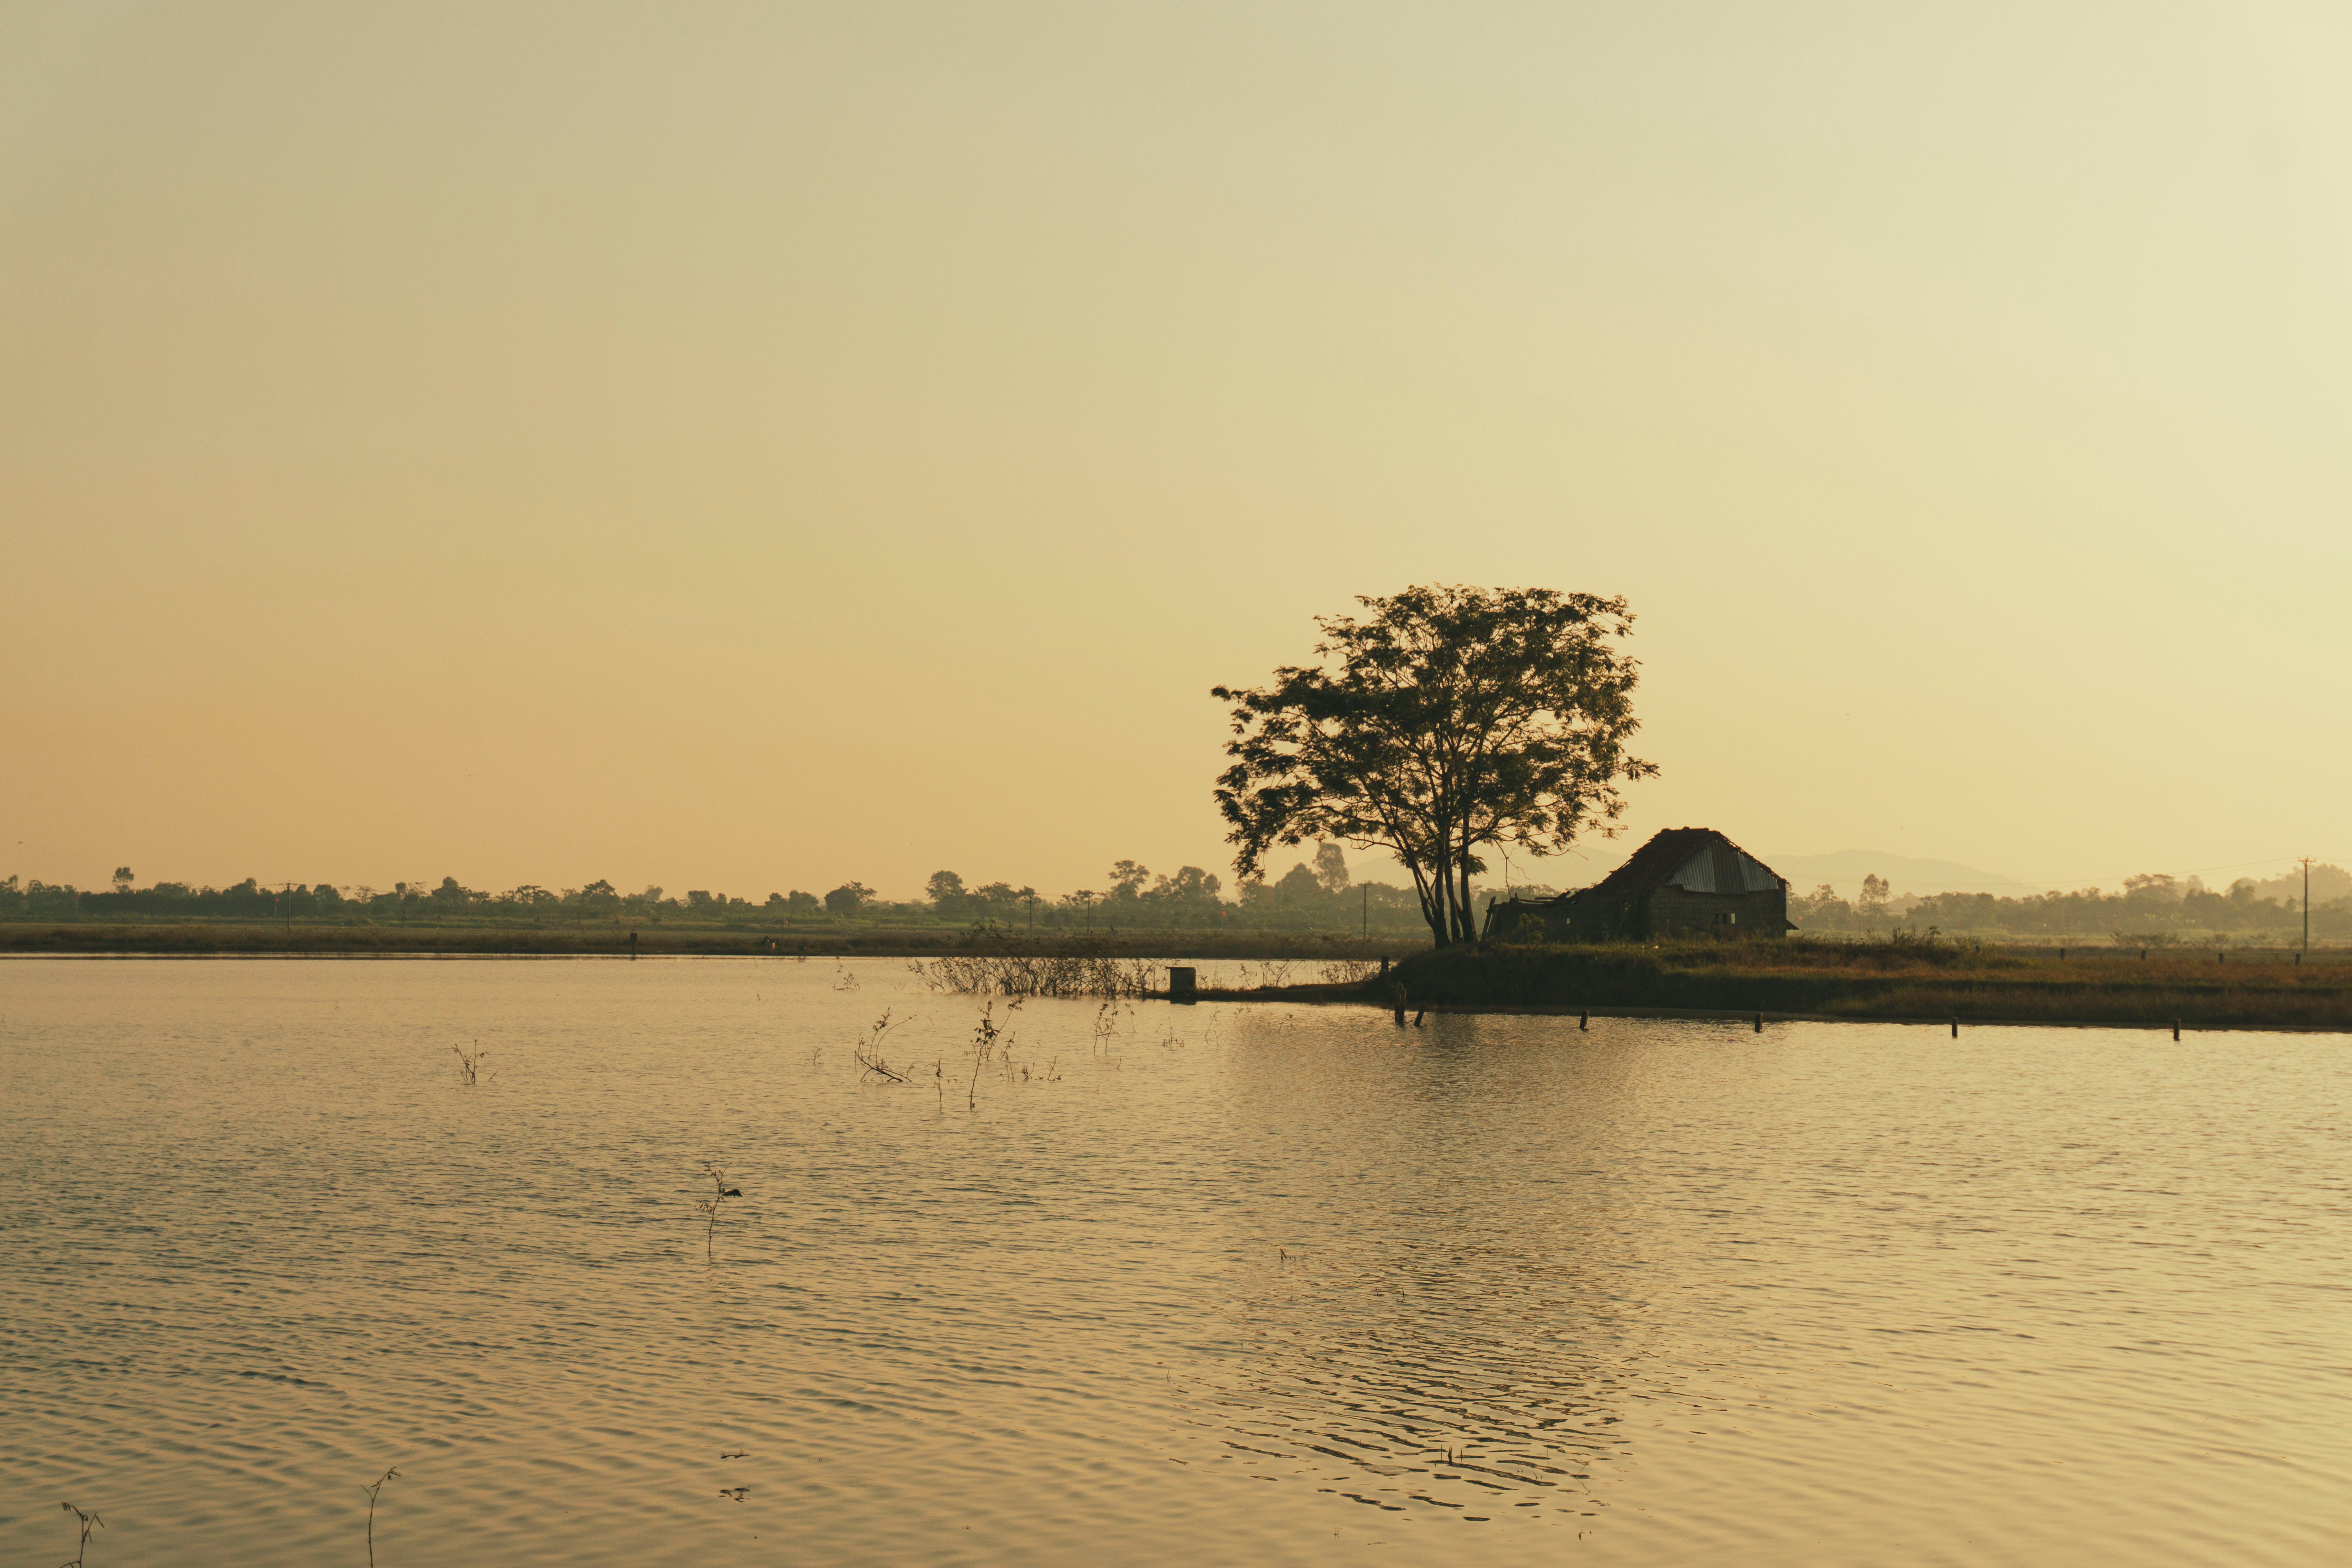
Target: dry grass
column 1893, row 980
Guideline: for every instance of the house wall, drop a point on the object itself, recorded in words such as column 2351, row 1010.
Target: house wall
column 1668, row 911
column 1671, row 911
column 1579, row 917
column 1596, row 918
column 1517, row 921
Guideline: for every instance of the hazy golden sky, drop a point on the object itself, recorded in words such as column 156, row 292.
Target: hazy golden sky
column 756, row 445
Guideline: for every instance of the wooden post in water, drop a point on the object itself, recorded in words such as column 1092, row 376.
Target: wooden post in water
column 1759, row 1023
column 1955, row 1029
column 633, row 945
column 1396, row 1000
column 1584, row 1019
column 2176, row 1028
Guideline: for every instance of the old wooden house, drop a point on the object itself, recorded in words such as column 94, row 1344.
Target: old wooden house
column 1685, row 881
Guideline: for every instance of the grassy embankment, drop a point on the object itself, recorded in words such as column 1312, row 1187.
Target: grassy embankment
column 1899, row 981
column 328, row 940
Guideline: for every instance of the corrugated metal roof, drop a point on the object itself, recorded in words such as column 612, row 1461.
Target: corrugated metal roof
column 1655, row 864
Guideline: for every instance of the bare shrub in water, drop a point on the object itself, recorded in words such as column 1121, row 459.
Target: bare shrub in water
column 90, row 1522
column 708, row 1207
column 868, row 1051
column 992, row 1049
column 1348, row 972
column 1012, row 970
column 469, row 1072
column 983, row 1051
column 371, row 1491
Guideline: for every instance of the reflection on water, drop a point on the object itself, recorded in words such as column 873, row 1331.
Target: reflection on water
column 1450, row 1336
column 1247, row 1285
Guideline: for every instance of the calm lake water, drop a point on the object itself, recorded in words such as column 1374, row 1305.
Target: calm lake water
column 1243, row 1285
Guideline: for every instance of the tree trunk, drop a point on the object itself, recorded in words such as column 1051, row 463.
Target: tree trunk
column 1442, row 921
column 1428, row 888
column 1465, row 917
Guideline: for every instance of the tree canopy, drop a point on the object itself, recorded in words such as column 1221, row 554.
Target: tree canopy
column 1441, row 722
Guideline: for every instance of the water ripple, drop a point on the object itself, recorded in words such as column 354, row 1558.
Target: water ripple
column 1229, row 1285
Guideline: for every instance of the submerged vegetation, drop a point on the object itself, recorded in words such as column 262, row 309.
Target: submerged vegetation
column 983, row 1051
column 1008, row 972
column 371, row 1492
column 708, row 1206
column 90, row 1522
column 868, row 1052
column 990, row 1053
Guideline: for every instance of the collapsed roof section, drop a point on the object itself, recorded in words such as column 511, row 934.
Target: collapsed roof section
column 1696, row 859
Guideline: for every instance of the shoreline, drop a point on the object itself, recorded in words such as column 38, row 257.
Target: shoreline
column 1320, row 996
column 1703, row 981
column 1932, row 985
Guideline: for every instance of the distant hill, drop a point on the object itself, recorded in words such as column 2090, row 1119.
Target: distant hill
column 1844, row 869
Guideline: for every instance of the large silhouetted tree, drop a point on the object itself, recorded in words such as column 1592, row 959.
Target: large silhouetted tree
column 1441, row 721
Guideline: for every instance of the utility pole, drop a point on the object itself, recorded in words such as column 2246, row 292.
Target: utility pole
column 2307, row 903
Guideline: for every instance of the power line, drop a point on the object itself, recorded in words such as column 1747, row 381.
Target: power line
column 2307, row 903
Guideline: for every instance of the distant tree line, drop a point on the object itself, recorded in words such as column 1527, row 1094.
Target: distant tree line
column 1312, row 896
column 2153, row 909
column 1317, row 896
